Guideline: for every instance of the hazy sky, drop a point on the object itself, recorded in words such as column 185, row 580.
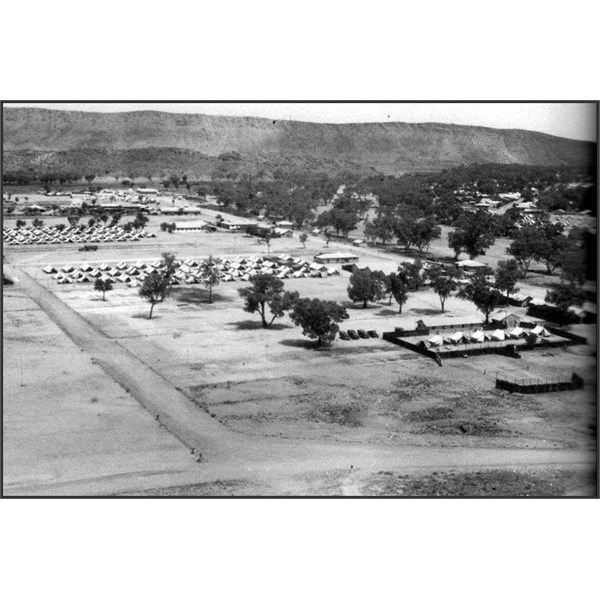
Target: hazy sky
column 571, row 120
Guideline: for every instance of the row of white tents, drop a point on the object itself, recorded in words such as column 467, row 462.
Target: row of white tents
column 480, row 336
column 52, row 235
column 190, row 271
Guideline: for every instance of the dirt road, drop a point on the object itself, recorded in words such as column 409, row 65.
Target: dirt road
column 229, row 455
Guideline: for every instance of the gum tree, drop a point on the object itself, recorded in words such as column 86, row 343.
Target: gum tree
column 318, row 318
column 267, row 291
column 442, row 283
column 210, row 275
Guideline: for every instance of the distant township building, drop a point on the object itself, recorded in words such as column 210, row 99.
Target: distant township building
column 505, row 320
column 173, row 210
column 336, row 257
column 192, row 226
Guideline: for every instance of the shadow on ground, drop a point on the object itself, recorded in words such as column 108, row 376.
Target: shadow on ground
column 198, row 296
column 302, row 343
column 426, row 311
column 256, row 324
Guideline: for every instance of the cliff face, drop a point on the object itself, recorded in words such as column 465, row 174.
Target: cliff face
column 386, row 147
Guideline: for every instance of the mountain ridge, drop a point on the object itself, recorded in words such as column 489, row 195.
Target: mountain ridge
column 387, row 147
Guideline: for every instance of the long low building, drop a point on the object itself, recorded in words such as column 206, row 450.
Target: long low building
column 192, row 226
column 186, row 210
column 336, row 257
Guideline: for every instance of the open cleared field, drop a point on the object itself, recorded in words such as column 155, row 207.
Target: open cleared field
column 66, row 420
column 292, row 418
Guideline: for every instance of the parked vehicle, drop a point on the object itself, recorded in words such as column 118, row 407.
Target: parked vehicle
column 353, row 335
column 372, row 333
column 88, row 248
column 363, row 334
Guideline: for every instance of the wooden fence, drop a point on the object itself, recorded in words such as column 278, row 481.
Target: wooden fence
column 539, row 386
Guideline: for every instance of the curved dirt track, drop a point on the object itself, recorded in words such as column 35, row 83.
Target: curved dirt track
column 230, row 455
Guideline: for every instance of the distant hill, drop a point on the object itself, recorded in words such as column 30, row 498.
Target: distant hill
column 160, row 143
column 158, row 163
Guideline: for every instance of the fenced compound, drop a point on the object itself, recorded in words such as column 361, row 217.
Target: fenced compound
column 538, row 385
column 511, row 347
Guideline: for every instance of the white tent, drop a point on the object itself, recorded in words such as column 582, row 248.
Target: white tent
column 457, row 337
column 49, row 269
column 498, row 335
column 478, row 336
column 317, row 266
column 436, row 340
column 539, row 330
column 517, row 332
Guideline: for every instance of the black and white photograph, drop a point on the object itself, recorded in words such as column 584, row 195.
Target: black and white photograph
column 299, row 299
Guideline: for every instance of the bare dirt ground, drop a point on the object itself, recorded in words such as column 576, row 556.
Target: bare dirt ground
column 269, row 413
column 66, row 420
